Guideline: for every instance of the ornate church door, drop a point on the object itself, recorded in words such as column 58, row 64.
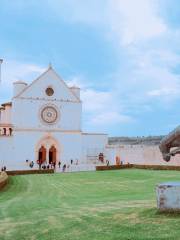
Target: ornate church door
column 42, row 154
column 52, row 155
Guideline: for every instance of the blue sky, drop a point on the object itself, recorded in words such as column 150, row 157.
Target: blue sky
column 124, row 54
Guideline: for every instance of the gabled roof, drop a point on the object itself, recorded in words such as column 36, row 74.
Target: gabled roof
column 50, row 68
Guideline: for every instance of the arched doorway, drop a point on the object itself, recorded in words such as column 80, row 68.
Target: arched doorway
column 52, row 155
column 50, row 151
column 42, row 155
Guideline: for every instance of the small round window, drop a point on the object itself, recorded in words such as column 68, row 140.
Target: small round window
column 49, row 91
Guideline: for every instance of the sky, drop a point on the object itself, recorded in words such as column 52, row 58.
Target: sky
column 123, row 54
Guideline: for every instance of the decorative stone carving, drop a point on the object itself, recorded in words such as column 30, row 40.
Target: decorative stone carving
column 49, row 114
column 49, row 91
column 170, row 145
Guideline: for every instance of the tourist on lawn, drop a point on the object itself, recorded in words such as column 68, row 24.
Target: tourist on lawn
column 31, row 164
column 39, row 163
column 64, row 167
column 59, row 164
column 107, row 162
column 54, row 165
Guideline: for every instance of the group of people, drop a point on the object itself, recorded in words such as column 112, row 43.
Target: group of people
column 51, row 165
column 64, row 167
column 3, row 169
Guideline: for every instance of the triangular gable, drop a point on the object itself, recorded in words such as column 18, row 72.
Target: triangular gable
column 37, row 89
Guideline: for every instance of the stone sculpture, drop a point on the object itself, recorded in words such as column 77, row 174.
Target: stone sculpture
column 170, row 145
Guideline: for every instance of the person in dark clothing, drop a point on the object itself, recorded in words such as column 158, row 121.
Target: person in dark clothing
column 59, row 164
column 31, row 164
column 71, row 161
column 64, row 167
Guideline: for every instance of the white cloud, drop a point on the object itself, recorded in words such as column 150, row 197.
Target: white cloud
column 78, row 81
column 149, row 49
column 164, row 92
column 135, row 21
column 103, row 109
column 96, row 100
column 110, row 118
column 13, row 71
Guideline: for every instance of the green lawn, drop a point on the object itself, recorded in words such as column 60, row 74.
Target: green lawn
column 92, row 205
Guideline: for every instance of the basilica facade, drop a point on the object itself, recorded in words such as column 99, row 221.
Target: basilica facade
column 42, row 123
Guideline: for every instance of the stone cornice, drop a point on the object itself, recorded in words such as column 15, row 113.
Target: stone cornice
column 46, row 130
column 47, row 99
column 6, row 125
column 95, row 134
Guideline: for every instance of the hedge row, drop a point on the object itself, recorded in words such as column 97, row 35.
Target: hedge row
column 24, row 172
column 113, row 167
column 157, row 167
column 152, row 167
column 3, row 179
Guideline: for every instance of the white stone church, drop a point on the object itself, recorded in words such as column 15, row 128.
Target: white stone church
column 43, row 123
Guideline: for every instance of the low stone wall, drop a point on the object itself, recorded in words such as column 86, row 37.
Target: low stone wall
column 150, row 167
column 113, row 167
column 3, row 179
column 156, row 167
column 139, row 154
column 25, row 172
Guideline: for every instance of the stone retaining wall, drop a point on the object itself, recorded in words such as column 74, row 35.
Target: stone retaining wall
column 25, row 172
column 151, row 167
column 3, row 179
column 113, row 167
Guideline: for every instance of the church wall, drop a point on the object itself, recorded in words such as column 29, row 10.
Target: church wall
column 111, row 153
column 49, row 79
column 92, row 145
column 6, row 115
column 26, row 114
column 70, row 146
column 46, row 114
column 140, row 154
column 24, row 147
column 6, row 151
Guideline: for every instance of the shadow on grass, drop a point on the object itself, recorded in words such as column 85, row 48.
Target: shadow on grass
column 13, row 188
column 155, row 213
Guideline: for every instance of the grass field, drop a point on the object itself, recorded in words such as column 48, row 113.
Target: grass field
column 92, row 205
